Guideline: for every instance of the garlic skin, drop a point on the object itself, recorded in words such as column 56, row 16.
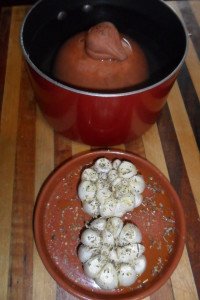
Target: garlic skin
column 114, row 225
column 107, row 278
column 102, row 165
column 130, row 234
column 91, row 238
column 137, row 184
column 93, row 266
column 129, row 253
column 98, row 224
column 110, row 188
column 127, row 275
column 140, row 264
column 91, row 208
column 127, row 170
column 138, row 199
column 112, row 253
column 116, row 164
column 89, row 174
column 85, row 253
column 86, row 190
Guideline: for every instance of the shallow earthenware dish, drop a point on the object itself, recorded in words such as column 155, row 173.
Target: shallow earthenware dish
column 59, row 220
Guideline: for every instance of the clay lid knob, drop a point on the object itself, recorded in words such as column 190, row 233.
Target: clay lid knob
column 103, row 41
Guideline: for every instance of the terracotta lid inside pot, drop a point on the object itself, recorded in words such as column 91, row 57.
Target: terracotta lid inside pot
column 101, row 59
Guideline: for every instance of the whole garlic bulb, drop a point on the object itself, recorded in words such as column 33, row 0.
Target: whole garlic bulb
column 112, row 253
column 110, row 188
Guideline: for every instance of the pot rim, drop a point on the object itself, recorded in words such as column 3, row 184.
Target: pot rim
column 95, row 93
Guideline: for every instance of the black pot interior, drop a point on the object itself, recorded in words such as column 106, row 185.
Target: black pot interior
column 150, row 22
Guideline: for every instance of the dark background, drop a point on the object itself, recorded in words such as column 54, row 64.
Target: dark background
column 18, row 2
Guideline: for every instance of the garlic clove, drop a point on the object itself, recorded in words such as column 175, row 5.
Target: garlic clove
column 112, row 175
column 127, row 203
column 107, row 209
column 129, row 253
column 127, row 170
column 122, row 190
column 108, row 238
column 119, row 210
column 103, row 194
column 86, row 190
column 105, row 250
column 107, row 278
column 126, row 275
column 140, row 264
column 89, row 174
column 102, row 184
column 94, row 265
column 113, row 256
column 98, row 224
column 130, row 234
column 116, row 163
column 91, row 208
column 138, row 199
column 102, row 165
column 102, row 176
column 91, row 238
column 125, row 182
column 85, row 252
column 114, row 225
column 125, row 254
column 137, row 183
column 138, row 249
column 116, row 182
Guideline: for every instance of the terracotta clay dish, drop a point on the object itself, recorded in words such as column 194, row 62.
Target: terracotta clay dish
column 59, row 219
column 101, row 59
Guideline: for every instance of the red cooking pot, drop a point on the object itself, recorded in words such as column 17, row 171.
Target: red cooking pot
column 95, row 117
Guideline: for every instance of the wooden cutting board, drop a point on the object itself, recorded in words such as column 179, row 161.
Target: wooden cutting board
column 30, row 150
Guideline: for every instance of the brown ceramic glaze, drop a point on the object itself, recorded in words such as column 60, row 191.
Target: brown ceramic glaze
column 101, row 59
column 59, row 219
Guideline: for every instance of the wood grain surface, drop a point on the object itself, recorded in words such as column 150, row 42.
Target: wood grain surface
column 30, row 150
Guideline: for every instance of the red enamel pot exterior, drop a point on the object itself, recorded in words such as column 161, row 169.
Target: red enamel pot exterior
column 100, row 119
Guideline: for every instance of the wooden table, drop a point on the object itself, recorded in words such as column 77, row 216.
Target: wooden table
column 30, row 150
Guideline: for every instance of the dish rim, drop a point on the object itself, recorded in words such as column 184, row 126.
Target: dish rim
column 174, row 260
